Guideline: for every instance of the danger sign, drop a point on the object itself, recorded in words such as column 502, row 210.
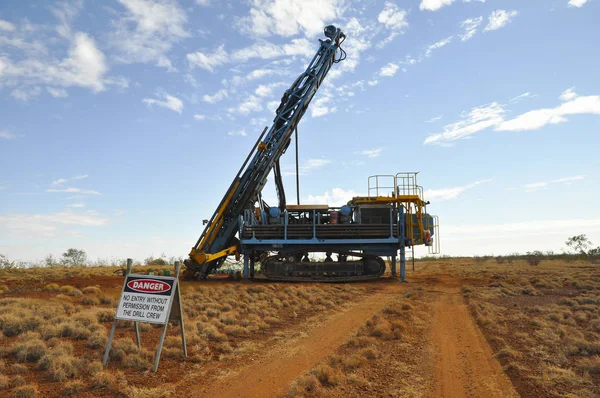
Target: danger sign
column 146, row 298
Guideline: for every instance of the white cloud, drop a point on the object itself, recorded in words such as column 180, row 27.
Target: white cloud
column 544, row 184
column 520, row 97
column 258, row 121
column 392, row 17
column 6, row 135
column 538, row 118
column 532, row 120
column 251, row 104
column 168, row 101
column 260, row 50
column 499, row 18
column 321, row 106
column 63, row 180
column 208, row 61
column 478, row 119
column 241, row 133
column 260, row 73
column 273, row 105
column 24, row 94
column 267, row 50
column 218, row 96
column 434, row 119
column 577, row 3
column 266, row 90
column 289, row 17
column 74, row 190
column 199, row 117
column 360, row 38
column 451, row 193
column 57, row 92
column 487, row 116
column 76, row 205
column 434, row 5
column 437, row 45
column 47, row 225
column 470, row 26
column 568, row 95
column 203, row 3
column 85, row 67
column 6, row 26
column 335, row 197
column 309, row 166
column 371, row 153
column 148, row 30
column 389, row 70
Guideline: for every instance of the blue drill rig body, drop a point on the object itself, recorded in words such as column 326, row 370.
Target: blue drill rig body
column 392, row 217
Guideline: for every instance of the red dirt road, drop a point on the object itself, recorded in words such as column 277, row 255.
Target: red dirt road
column 463, row 361
column 465, row 365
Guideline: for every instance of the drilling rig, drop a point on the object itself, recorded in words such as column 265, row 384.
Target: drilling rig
column 283, row 238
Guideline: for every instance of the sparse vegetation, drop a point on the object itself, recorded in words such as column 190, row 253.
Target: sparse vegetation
column 542, row 321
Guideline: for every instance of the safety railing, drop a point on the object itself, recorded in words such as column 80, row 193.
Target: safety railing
column 434, row 248
column 406, row 184
column 388, row 189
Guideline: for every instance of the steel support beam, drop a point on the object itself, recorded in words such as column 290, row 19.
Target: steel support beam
column 246, row 266
column 402, row 223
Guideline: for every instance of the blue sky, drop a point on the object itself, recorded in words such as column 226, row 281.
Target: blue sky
column 123, row 122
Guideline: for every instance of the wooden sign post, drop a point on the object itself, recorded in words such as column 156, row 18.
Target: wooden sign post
column 151, row 299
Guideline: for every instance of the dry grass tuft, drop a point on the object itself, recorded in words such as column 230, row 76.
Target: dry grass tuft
column 590, row 365
column 369, row 353
column 91, row 290
column 17, row 381
column 98, row 339
column 304, row 384
column 327, row 375
column 142, row 392
column 358, row 381
column 29, row 347
column 105, row 315
column 383, row 330
column 103, row 380
column 122, row 347
column 13, row 324
column 27, row 391
column 73, row 388
column 92, row 368
column 67, row 289
column 60, row 363
column 51, row 287
column 141, row 360
column 18, row 369
column 213, row 334
column 353, row 362
column 90, row 300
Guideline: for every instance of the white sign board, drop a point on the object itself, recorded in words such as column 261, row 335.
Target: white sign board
column 146, row 298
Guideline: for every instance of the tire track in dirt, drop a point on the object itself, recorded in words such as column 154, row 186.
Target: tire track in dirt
column 465, row 365
column 270, row 374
